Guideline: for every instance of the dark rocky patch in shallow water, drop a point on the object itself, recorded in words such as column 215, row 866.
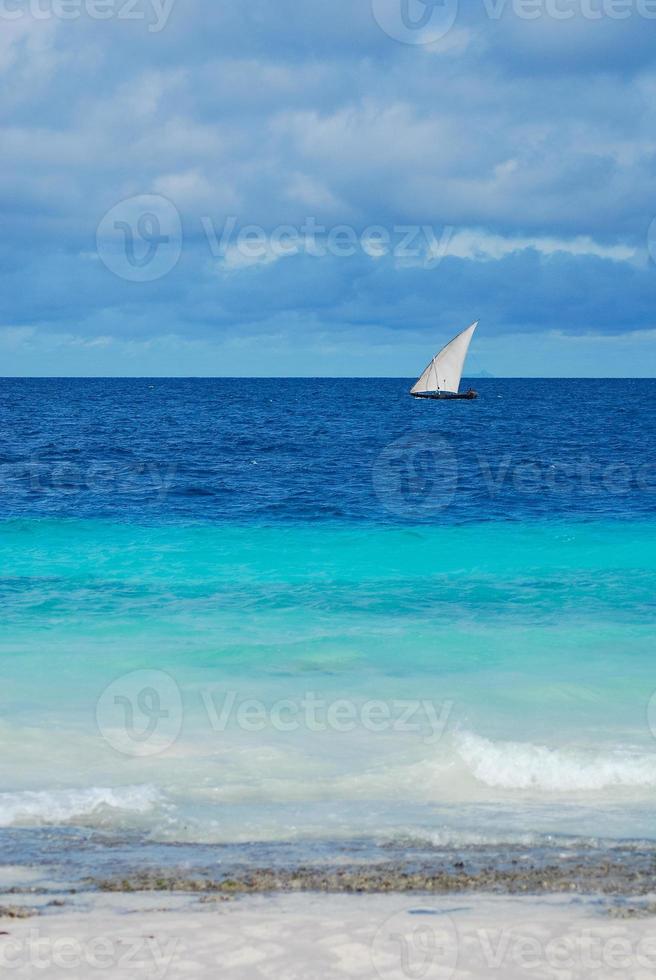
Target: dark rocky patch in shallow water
column 633, row 911
column 605, row 878
column 16, row 912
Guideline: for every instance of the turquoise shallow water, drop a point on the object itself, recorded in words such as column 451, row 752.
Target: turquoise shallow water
column 510, row 667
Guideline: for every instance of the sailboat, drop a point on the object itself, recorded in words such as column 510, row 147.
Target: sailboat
column 441, row 379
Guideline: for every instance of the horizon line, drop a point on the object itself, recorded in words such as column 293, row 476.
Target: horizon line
column 311, row 377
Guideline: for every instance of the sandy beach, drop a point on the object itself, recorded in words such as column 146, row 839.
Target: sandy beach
column 300, row 937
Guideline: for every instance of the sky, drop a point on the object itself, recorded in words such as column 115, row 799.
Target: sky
column 302, row 187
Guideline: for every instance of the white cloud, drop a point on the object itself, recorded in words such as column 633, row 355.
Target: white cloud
column 313, row 193
column 475, row 244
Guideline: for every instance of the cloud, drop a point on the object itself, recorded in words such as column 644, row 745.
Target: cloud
column 531, row 142
column 478, row 244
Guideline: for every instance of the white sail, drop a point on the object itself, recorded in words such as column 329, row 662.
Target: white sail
column 444, row 373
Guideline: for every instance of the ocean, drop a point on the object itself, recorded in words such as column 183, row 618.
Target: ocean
column 276, row 621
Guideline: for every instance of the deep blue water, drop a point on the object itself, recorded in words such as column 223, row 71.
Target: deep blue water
column 325, row 450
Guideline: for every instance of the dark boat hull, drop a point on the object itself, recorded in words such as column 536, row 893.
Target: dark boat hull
column 468, row 396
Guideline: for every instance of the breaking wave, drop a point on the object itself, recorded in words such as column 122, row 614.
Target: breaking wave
column 43, row 807
column 523, row 766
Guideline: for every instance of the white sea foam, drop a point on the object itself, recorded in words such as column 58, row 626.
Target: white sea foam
column 235, row 795
column 43, row 807
column 516, row 765
column 453, row 837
